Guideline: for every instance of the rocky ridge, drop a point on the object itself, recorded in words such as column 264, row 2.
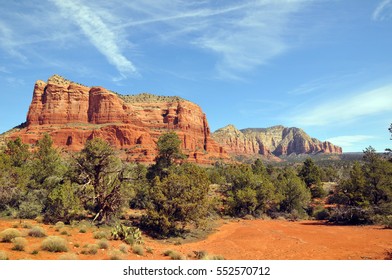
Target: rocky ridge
column 272, row 141
column 73, row 113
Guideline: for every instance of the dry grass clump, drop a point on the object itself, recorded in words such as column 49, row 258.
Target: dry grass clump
column 203, row 255
column 37, row 232
column 103, row 244
column 8, row 234
column 26, row 225
column 100, row 234
column 90, row 249
column 123, row 248
column 54, row 244
column 69, row 256
column 174, row 255
column 138, row 250
column 3, row 256
column 19, row 243
column 115, row 255
column 59, row 225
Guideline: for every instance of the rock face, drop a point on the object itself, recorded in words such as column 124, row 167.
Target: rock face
column 72, row 114
column 276, row 140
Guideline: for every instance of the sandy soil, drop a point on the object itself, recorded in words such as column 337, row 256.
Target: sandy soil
column 241, row 239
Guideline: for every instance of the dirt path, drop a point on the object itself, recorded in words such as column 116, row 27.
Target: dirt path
column 243, row 239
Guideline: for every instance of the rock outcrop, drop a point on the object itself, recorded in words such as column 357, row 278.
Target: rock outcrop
column 72, row 113
column 276, row 140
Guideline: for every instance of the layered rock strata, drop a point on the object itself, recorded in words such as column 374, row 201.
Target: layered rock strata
column 276, row 140
column 72, row 114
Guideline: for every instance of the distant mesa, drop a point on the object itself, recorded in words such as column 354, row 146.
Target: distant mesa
column 72, row 113
column 272, row 141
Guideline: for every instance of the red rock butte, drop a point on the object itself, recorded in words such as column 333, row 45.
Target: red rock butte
column 72, row 114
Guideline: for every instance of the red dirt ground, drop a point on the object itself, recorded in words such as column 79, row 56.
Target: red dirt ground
column 242, row 239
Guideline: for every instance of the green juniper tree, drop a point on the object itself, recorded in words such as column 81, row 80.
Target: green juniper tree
column 103, row 181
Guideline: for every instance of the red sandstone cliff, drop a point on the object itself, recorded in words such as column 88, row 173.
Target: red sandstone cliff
column 73, row 113
column 277, row 141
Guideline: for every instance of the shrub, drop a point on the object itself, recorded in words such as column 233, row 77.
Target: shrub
column 8, row 234
column 19, row 243
column 138, row 250
column 100, row 234
column 123, row 248
column 83, row 229
column 64, row 232
column 34, row 252
column 91, row 249
column 115, row 255
column 68, row 256
column 200, row 254
column 26, row 225
column 103, row 244
column 214, row 258
column 3, row 256
column 59, row 225
column 131, row 235
column 174, row 255
column 37, row 232
column 54, row 244
column 320, row 213
column 149, row 250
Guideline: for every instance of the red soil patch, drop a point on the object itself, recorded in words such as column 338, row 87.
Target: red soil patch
column 243, row 239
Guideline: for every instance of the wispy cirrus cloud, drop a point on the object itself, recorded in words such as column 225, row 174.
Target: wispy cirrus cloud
column 99, row 34
column 347, row 109
column 383, row 11
column 348, row 141
column 241, row 36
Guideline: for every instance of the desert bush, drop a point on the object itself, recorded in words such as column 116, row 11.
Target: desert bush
column 388, row 255
column 149, row 250
column 35, row 252
column 64, row 232
column 174, row 255
column 91, row 249
column 200, row 254
column 54, row 244
column 59, row 225
column 115, row 255
column 385, row 220
column 8, row 234
column 103, row 244
column 100, row 234
column 26, row 225
column 138, row 250
column 351, row 215
column 203, row 255
column 216, row 258
column 131, row 235
column 83, row 229
column 19, row 243
column 68, row 256
column 3, row 256
column 321, row 213
column 124, row 248
column 37, row 232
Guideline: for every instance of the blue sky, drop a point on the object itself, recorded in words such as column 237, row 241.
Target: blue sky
column 323, row 66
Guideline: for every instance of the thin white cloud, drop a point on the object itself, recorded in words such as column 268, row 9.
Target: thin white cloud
column 7, row 42
column 347, row 109
column 348, row 141
column 383, row 11
column 242, row 36
column 99, row 34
